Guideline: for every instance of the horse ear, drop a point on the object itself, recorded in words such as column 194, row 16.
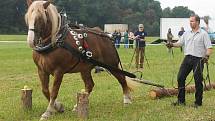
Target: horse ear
column 46, row 4
column 29, row 2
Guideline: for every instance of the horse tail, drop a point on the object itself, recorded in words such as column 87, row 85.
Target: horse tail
column 132, row 85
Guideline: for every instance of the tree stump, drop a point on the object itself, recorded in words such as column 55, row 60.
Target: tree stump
column 26, row 98
column 165, row 92
column 82, row 105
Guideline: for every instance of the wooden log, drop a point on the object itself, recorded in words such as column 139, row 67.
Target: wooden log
column 26, row 98
column 82, row 104
column 165, row 92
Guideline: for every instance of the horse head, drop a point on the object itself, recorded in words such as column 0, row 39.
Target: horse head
column 42, row 21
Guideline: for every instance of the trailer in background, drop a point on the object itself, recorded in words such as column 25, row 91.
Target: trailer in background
column 176, row 23
column 110, row 28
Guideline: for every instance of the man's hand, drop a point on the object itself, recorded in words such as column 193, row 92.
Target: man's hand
column 169, row 44
column 206, row 58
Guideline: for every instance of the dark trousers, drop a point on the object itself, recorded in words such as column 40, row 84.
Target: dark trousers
column 131, row 43
column 191, row 63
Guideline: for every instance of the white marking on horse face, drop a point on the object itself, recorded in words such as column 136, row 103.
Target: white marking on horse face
column 30, row 38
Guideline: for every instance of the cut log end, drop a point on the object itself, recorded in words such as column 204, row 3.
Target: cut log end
column 153, row 94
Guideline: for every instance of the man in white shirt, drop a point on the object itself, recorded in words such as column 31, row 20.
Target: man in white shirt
column 197, row 49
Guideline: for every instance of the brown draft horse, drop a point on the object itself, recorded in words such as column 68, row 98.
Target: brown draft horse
column 42, row 19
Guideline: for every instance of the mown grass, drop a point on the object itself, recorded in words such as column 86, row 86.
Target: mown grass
column 17, row 69
column 13, row 37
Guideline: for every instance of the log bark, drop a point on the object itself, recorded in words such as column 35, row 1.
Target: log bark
column 166, row 92
column 26, row 98
column 82, row 105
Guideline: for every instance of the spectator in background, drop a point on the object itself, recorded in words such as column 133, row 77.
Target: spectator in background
column 118, row 39
column 126, row 42
column 169, row 38
column 114, row 35
column 131, row 39
column 140, row 45
column 169, row 35
column 180, row 33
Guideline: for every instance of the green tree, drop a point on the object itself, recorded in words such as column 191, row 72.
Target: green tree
column 177, row 12
column 167, row 13
column 181, row 12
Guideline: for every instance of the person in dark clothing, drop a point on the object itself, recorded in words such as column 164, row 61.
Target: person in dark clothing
column 197, row 49
column 114, row 35
column 140, row 45
column 180, row 33
column 118, row 39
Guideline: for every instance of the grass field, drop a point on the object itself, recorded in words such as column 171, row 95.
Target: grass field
column 13, row 37
column 17, row 69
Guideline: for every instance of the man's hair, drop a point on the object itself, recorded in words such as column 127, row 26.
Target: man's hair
column 197, row 18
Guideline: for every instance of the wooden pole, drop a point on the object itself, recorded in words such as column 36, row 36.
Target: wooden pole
column 165, row 92
column 26, row 98
column 82, row 105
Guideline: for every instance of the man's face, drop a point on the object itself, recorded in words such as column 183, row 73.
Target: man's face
column 141, row 28
column 193, row 23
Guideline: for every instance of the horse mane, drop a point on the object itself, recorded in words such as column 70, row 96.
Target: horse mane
column 37, row 9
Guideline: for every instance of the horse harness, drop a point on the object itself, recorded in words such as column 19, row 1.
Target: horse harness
column 82, row 50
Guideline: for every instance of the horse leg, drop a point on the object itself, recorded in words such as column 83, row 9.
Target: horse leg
column 89, row 84
column 44, row 78
column 126, row 90
column 54, row 105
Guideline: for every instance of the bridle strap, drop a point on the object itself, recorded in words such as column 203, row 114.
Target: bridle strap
column 47, row 38
column 32, row 30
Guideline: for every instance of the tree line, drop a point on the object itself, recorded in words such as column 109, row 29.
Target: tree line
column 95, row 13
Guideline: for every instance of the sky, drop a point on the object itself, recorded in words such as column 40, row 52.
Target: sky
column 200, row 7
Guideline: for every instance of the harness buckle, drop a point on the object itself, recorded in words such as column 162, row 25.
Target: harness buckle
column 80, row 48
column 77, row 43
column 89, row 54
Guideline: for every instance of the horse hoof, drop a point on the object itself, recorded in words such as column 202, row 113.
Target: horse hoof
column 127, row 99
column 45, row 116
column 75, row 108
column 127, row 102
column 59, row 107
